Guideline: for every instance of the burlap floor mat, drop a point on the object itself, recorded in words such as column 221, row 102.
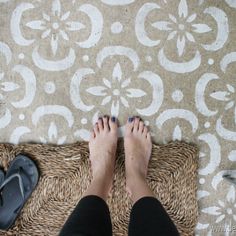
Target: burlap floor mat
column 65, row 174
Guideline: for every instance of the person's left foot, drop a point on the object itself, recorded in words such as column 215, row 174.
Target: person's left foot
column 102, row 148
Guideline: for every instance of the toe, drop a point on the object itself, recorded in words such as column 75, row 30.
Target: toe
column 136, row 124
column 95, row 129
column 113, row 124
column 92, row 134
column 100, row 124
column 129, row 125
column 105, row 123
column 145, row 131
column 141, row 127
column 149, row 137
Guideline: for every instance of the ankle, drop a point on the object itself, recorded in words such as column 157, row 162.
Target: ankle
column 135, row 174
column 102, row 183
column 99, row 187
column 102, row 177
column 138, row 189
column 134, row 180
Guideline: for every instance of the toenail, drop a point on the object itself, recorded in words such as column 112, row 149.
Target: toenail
column 100, row 118
column 131, row 119
column 113, row 119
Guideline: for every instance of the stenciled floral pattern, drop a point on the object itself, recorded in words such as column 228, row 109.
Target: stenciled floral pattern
column 57, row 25
column 182, row 27
column 223, row 209
column 116, row 91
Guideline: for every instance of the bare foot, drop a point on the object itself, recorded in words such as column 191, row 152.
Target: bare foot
column 102, row 148
column 138, row 146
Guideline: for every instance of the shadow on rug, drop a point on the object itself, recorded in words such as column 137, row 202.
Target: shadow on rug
column 65, row 175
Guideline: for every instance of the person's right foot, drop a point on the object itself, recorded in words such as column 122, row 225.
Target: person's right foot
column 138, row 146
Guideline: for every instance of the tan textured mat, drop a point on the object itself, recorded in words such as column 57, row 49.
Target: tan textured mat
column 65, row 174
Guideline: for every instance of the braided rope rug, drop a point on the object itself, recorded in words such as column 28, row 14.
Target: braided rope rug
column 65, row 175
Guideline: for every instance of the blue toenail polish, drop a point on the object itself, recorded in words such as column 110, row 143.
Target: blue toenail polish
column 131, row 119
column 113, row 119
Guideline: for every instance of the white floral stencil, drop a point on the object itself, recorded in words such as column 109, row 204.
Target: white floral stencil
column 182, row 27
column 56, row 25
column 116, row 91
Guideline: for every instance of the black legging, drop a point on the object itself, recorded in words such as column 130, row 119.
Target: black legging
column 91, row 217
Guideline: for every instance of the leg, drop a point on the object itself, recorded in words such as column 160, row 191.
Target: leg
column 148, row 217
column 91, row 217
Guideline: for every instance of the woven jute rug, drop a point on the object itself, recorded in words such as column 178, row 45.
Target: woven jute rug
column 65, row 175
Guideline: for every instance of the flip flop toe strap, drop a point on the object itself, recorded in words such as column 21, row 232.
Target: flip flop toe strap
column 18, row 176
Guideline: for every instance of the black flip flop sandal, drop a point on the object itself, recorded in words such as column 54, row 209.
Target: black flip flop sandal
column 20, row 181
column 2, row 177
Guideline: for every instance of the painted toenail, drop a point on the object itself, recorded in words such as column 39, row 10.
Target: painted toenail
column 113, row 119
column 131, row 119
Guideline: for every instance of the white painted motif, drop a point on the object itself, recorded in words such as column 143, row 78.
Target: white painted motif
column 232, row 3
column 116, row 91
column 53, row 65
column 118, row 51
column 96, row 20
column 178, row 113
column 118, row 2
column 214, row 153
column 58, row 26
column 157, row 93
column 52, row 135
column 183, row 29
column 63, row 111
column 75, row 89
column 30, row 86
column 17, row 133
column 15, row 24
column 140, row 25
